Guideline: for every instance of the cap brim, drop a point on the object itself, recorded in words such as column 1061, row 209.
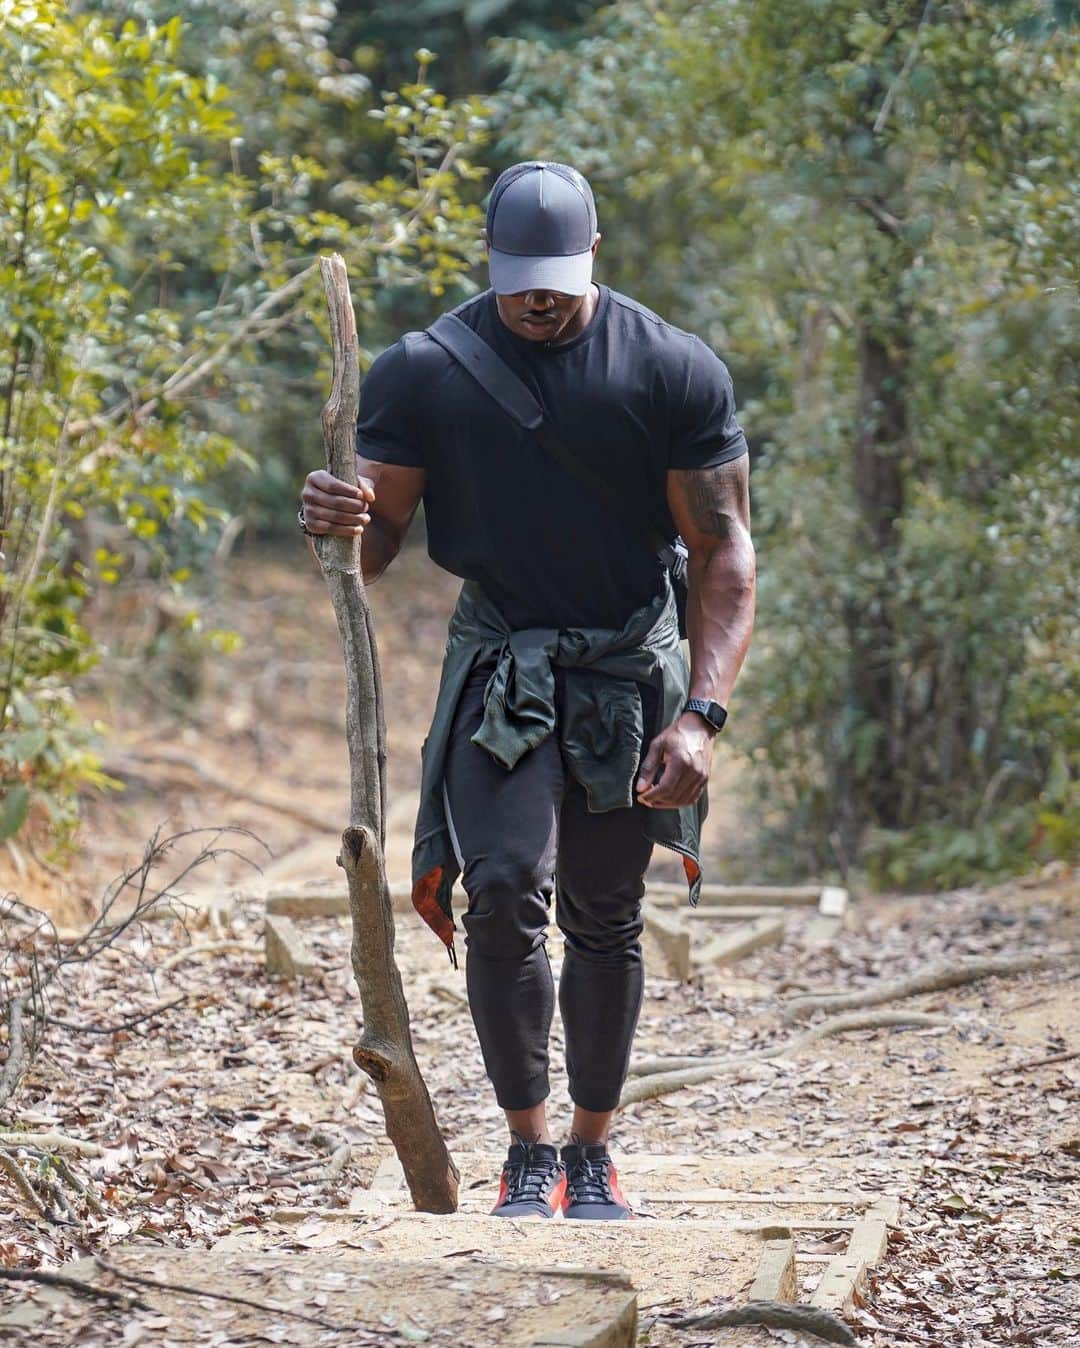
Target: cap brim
column 511, row 275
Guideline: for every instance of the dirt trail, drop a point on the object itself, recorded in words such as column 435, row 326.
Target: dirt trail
column 208, row 1116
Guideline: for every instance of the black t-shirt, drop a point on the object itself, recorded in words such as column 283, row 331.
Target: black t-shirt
column 631, row 394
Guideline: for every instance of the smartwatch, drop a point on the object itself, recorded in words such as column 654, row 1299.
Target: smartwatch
column 711, row 712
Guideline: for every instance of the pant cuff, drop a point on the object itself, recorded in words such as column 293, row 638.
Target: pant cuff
column 523, row 1095
column 596, row 1102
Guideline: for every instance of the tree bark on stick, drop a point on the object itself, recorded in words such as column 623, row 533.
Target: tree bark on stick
column 385, row 1049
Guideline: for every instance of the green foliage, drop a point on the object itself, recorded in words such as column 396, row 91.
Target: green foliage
column 945, row 856
column 331, row 171
column 382, row 36
column 870, row 212
column 145, row 271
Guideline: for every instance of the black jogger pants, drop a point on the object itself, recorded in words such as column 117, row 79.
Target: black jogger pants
column 514, row 832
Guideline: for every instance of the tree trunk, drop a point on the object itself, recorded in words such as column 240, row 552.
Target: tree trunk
column 385, row 1049
column 880, row 443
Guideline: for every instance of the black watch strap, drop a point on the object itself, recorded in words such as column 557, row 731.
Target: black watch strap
column 712, row 712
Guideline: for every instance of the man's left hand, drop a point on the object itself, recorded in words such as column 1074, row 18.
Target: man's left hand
column 681, row 755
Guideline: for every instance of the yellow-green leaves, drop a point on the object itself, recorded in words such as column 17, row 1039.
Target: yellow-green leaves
column 165, row 189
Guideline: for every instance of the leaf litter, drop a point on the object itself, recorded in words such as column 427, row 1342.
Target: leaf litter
column 228, row 1108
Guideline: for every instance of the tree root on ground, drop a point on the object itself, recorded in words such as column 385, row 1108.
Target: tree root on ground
column 185, row 1289
column 655, row 1078
column 208, row 948
column 87, row 1289
column 935, row 979
column 51, row 1142
column 819, row 1324
column 1052, row 1061
column 129, row 1300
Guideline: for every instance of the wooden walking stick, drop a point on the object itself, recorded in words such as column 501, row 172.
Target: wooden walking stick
column 385, row 1049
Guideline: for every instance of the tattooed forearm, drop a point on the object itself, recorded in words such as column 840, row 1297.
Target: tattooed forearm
column 711, row 509
column 717, row 499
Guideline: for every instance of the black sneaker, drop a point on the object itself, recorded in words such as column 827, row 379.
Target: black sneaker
column 592, row 1185
column 532, row 1182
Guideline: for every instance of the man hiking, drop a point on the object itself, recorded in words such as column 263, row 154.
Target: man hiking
column 561, row 437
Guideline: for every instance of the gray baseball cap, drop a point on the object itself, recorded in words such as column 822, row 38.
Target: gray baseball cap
column 541, row 225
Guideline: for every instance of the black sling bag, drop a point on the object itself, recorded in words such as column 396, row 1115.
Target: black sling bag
column 499, row 382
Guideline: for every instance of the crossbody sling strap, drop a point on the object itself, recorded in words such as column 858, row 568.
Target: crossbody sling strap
column 499, row 382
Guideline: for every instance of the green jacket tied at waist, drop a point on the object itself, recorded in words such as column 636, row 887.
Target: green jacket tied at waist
column 601, row 734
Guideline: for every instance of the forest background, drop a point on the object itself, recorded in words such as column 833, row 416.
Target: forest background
column 869, row 211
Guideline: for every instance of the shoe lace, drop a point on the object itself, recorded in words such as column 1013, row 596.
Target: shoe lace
column 589, row 1180
column 525, row 1180
column 528, row 1178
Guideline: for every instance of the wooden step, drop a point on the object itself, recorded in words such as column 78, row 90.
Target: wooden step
column 303, row 1296
column 784, row 896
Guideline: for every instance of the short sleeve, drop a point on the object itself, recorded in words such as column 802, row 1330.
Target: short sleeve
column 385, row 422
column 705, row 431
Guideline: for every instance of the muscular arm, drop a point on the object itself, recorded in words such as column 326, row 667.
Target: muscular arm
column 380, row 509
column 711, row 509
column 397, row 495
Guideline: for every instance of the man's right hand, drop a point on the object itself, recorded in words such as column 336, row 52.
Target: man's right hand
column 332, row 506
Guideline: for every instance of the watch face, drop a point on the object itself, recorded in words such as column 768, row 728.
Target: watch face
column 712, row 712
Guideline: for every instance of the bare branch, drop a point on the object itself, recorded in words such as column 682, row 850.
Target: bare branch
column 20, row 1047
column 905, row 71
column 198, row 364
column 14, row 1171
column 23, row 993
column 128, row 1024
column 888, row 222
column 386, row 1051
column 86, row 1191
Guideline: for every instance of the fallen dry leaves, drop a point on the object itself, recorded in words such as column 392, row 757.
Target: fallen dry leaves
column 236, row 1101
